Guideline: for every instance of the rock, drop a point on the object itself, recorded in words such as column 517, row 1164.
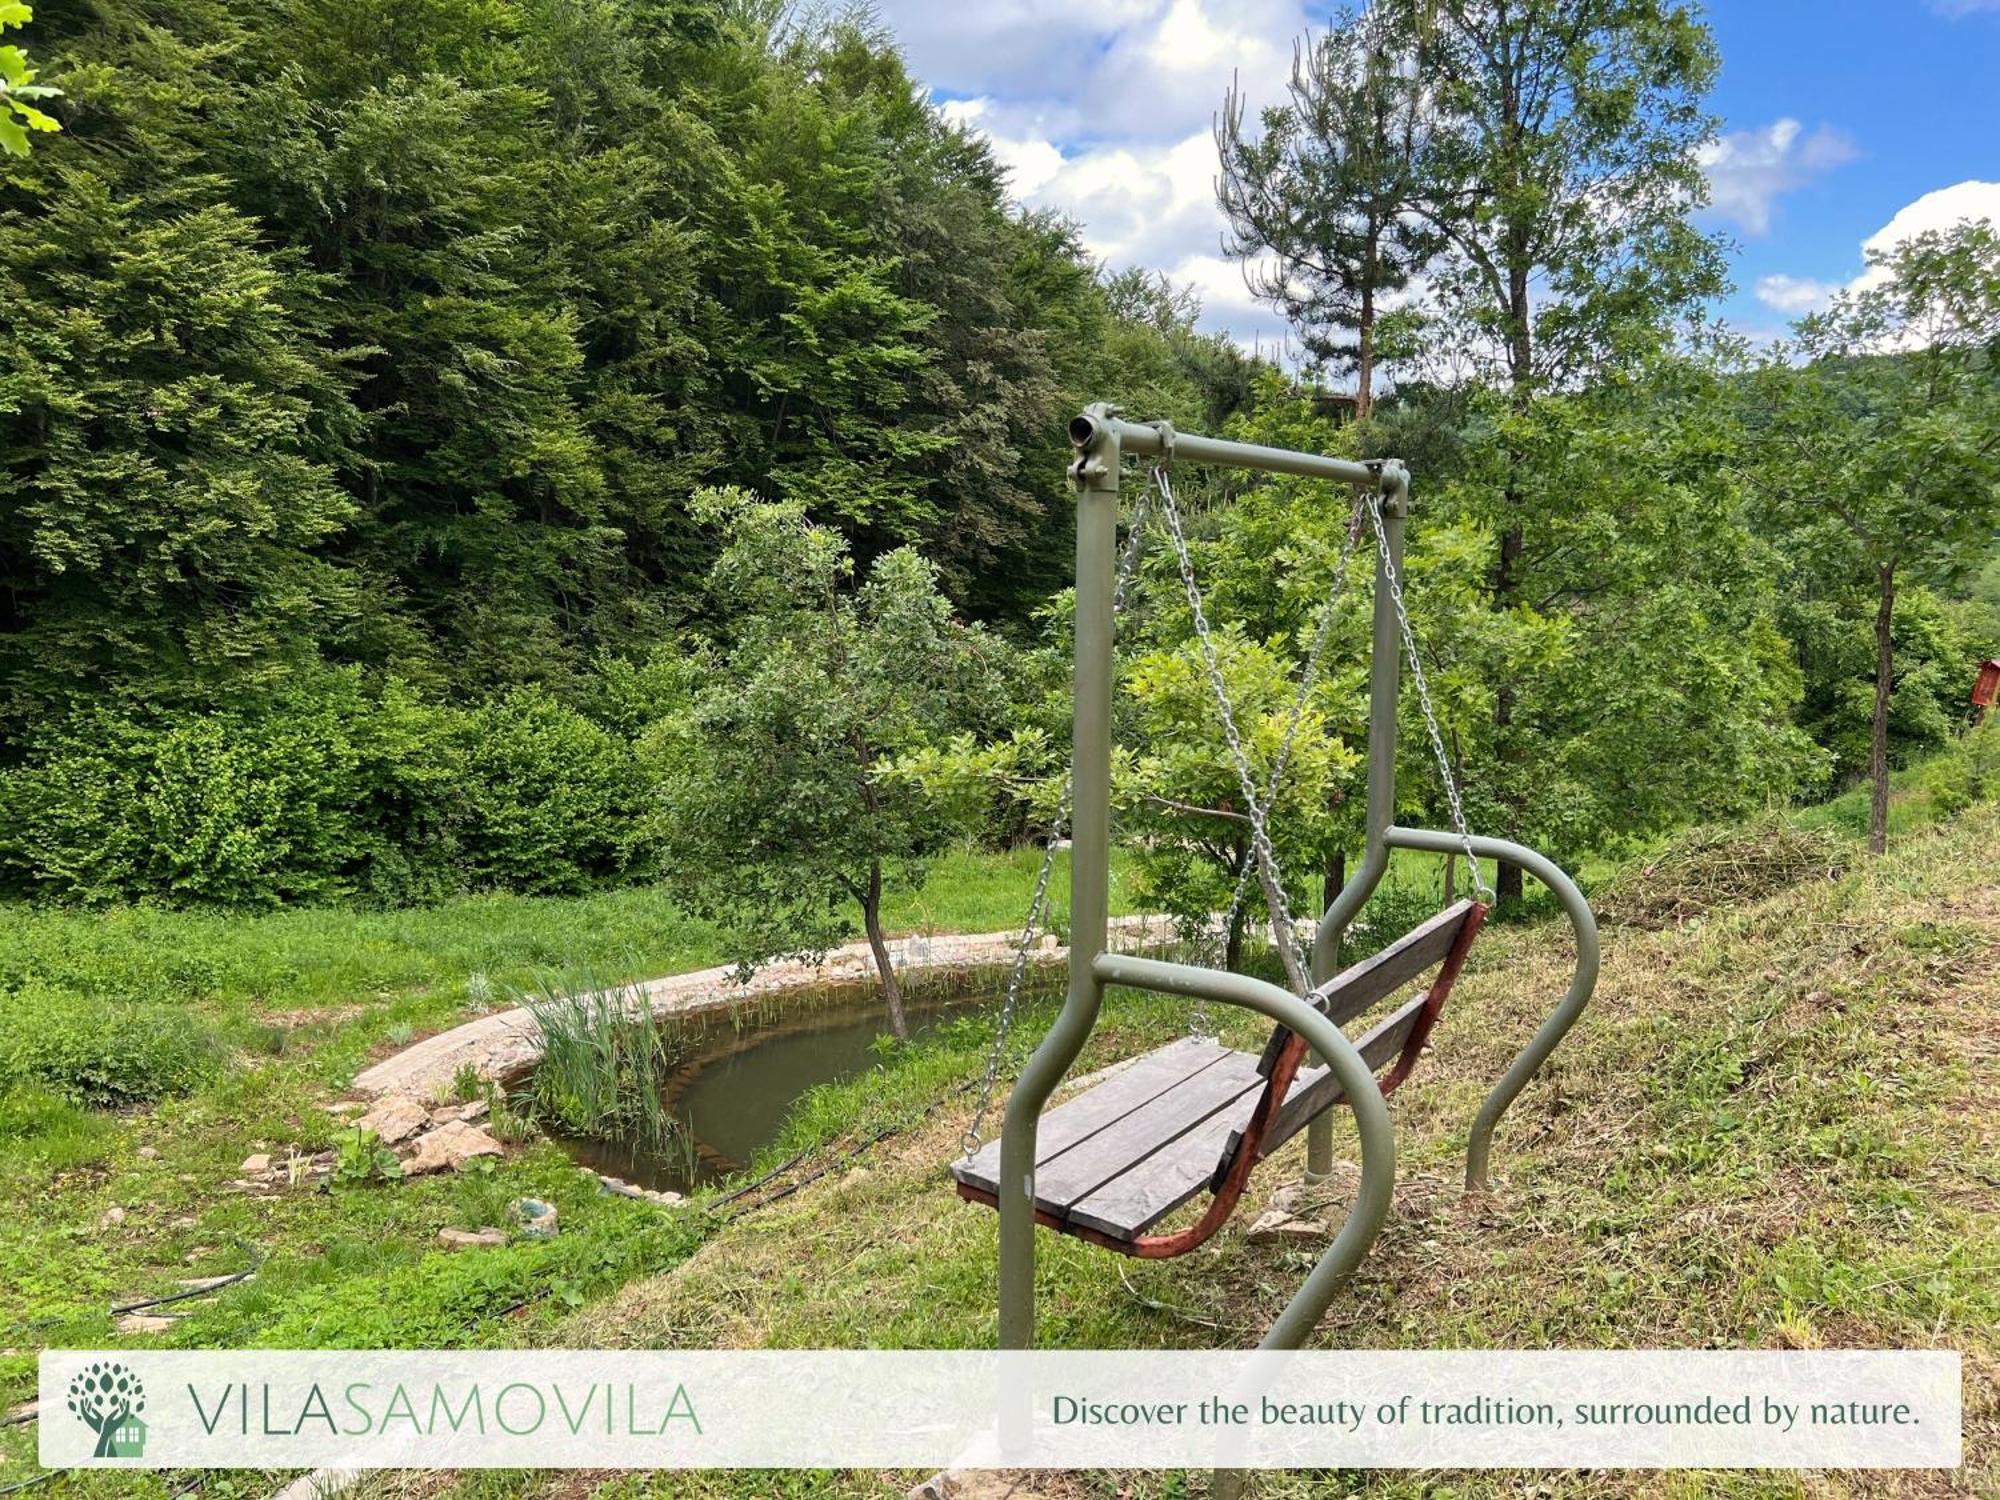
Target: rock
column 937, row 1487
column 1276, row 1227
column 149, row 1153
column 144, row 1323
column 346, row 1108
column 395, row 1119
column 448, row 1148
column 537, row 1219
column 665, row 1200
column 111, row 1217
column 472, row 1239
column 476, row 1110
column 257, row 1165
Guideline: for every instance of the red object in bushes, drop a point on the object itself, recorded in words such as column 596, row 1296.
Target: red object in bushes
column 1986, row 691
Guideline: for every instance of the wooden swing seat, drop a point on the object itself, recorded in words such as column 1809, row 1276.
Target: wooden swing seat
column 1118, row 1158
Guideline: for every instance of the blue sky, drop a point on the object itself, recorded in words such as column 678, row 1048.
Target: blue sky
column 1845, row 122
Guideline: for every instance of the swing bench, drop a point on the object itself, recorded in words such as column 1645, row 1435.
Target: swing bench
column 1195, row 1115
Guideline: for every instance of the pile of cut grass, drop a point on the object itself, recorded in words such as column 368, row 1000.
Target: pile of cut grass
column 1720, row 866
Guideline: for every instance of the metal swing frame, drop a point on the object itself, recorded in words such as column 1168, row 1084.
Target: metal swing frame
column 1102, row 440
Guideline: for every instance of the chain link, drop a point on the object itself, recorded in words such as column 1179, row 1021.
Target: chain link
column 1038, row 904
column 1266, row 857
column 1309, row 678
column 1451, row 791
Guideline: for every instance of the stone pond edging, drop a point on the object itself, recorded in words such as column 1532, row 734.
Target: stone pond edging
column 506, row 1043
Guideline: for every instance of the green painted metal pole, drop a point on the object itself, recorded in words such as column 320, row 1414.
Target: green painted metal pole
column 1364, row 1096
column 1582, row 982
column 1094, row 475
column 1385, row 660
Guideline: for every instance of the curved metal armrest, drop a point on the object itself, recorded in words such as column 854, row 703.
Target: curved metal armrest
column 1479, row 1149
column 1371, row 1116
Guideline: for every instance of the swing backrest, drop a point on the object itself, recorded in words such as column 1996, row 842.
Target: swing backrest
column 1443, row 941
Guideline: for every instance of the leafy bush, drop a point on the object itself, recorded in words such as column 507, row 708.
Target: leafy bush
column 553, row 801
column 331, row 788
column 1966, row 773
column 93, row 1053
column 321, row 790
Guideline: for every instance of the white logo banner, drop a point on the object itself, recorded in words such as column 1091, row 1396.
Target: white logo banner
column 921, row 1409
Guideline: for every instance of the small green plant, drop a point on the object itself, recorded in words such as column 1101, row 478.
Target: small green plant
column 479, row 994
column 466, row 1084
column 98, row 1053
column 401, row 1034
column 604, row 1067
column 510, row 1121
column 364, row 1159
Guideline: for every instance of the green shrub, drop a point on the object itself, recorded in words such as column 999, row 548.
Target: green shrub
column 89, row 1052
column 330, row 788
column 324, row 789
column 553, row 801
column 1966, row 773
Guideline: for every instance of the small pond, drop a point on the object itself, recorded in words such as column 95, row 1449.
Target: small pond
column 732, row 1096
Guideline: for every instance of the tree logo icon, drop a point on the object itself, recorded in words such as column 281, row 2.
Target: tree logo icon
column 107, row 1398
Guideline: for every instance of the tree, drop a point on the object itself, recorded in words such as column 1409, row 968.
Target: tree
column 1178, row 790
column 1877, row 439
column 168, row 426
column 784, row 808
column 1328, row 191
column 19, row 93
column 1559, row 171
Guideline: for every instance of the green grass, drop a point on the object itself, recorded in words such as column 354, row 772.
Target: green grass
column 1766, row 1133
column 1771, row 1131
column 296, row 1002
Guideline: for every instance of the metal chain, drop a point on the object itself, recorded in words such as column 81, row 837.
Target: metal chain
column 1260, row 837
column 1309, row 678
column 1038, row 904
column 1451, row 791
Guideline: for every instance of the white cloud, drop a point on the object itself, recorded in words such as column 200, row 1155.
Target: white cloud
column 1795, row 295
column 1947, row 206
column 1106, row 114
column 1748, row 169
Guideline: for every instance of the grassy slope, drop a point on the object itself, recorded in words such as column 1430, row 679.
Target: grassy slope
column 1776, row 1128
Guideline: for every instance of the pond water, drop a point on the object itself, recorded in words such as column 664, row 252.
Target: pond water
column 732, row 1097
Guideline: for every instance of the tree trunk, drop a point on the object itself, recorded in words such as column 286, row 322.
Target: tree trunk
column 1364, row 331
column 1878, row 735
column 1520, row 370
column 1507, row 882
column 1334, row 879
column 871, row 918
column 1232, row 941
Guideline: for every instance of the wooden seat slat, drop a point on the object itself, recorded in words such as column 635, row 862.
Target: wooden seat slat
column 1155, row 1128
column 1123, row 1155
column 1315, row 1093
column 1130, row 1088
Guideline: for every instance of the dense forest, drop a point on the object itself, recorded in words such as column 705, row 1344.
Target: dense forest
column 536, row 444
